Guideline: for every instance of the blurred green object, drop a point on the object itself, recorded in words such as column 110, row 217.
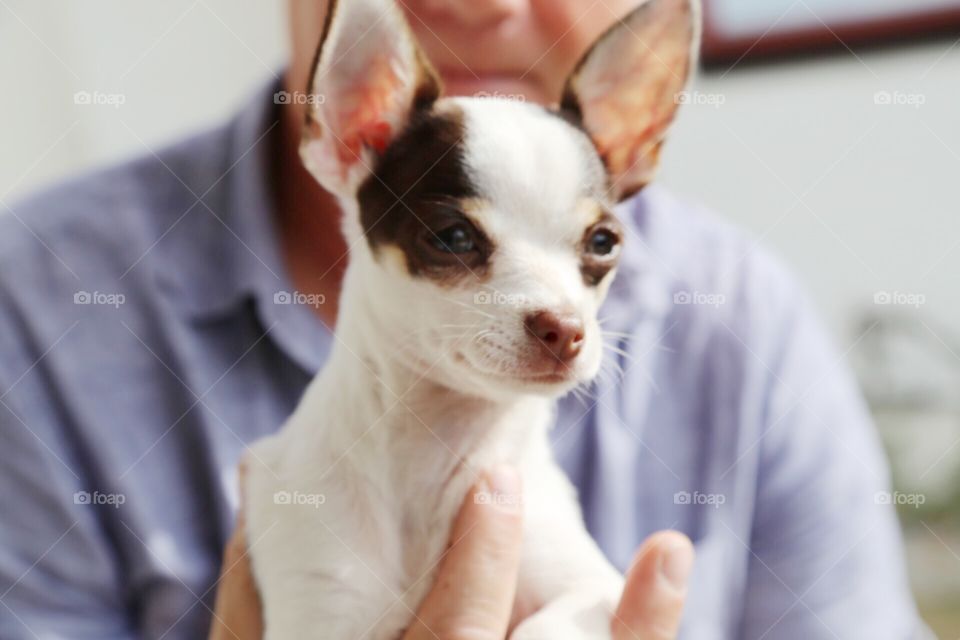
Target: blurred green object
column 943, row 618
column 909, row 370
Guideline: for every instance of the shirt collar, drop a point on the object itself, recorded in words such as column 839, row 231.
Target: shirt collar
column 223, row 247
column 225, row 253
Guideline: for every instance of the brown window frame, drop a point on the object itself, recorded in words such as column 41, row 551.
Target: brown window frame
column 719, row 49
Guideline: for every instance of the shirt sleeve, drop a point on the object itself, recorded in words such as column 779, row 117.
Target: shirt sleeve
column 58, row 575
column 826, row 557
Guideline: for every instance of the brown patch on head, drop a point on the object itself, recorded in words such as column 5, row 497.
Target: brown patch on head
column 417, row 200
column 596, row 262
column 373, row 78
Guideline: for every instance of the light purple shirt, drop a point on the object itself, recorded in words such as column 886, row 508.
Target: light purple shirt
column 145, row 340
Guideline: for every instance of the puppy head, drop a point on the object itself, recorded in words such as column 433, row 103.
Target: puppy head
column 482, row 228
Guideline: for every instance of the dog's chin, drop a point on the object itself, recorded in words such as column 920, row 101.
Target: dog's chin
column 519, row 382
column 550, row 386
column 505, row 386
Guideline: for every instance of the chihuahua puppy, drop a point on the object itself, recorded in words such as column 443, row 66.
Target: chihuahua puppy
column 482, row 243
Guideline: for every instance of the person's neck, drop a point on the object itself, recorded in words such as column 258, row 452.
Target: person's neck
column 308, row 222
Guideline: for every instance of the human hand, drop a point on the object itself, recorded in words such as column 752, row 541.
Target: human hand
column 656, row 589
column 237, row 613
column 475, row 588
column 474, row 592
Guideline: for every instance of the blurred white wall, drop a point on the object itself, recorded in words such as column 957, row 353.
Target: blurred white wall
column 178, row 65
column 858, row 197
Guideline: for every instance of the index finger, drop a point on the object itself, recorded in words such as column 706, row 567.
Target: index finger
column 476, row 583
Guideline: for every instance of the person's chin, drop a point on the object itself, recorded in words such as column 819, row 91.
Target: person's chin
column 492, row 87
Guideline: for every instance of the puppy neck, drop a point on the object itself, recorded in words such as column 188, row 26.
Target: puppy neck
column 391, row 379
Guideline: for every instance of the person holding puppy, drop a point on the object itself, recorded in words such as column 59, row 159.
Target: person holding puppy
column 733, row 437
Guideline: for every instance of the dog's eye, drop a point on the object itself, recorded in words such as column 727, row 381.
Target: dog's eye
column 602, row 242
column 457, row 238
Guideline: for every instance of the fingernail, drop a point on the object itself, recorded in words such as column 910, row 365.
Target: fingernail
column 501, row 487
column 675, row 565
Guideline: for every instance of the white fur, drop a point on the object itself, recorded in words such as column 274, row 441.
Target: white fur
column 428, row 385
column 393, row 447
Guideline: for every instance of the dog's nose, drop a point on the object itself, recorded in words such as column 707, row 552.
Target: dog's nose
column 560, row 334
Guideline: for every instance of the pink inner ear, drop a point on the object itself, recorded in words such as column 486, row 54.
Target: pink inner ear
column 627, row 88
column 625, row 132
column 365, row 112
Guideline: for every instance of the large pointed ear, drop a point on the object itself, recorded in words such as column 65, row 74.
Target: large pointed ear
column 626, row 89
column 368, row 79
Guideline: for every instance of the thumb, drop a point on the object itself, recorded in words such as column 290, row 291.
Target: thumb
column 656, row 588
column 476, row 583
